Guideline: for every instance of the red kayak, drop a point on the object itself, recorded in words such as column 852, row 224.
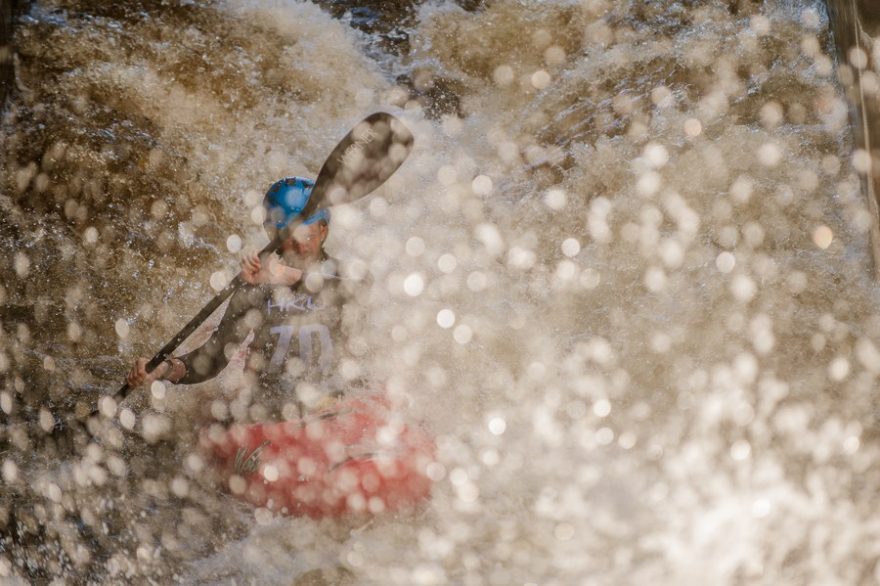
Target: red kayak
column 356, row 458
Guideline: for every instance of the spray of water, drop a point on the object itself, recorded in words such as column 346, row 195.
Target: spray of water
column 622, row 278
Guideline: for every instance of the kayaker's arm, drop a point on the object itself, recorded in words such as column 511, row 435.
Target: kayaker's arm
column 204, row 362
column 208, row 360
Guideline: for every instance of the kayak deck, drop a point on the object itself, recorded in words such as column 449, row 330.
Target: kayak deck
column 354, row 459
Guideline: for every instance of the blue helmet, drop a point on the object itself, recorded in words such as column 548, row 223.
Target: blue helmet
column 286, row 199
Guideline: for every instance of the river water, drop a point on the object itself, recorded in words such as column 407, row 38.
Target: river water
column 623, row 278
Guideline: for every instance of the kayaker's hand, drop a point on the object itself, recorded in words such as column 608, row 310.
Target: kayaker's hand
column 138, row 374
column 254, row 272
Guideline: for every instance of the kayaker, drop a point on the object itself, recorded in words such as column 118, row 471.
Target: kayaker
column 293, row 304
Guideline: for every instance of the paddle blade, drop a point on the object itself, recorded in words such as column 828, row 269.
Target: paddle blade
column 361, row 162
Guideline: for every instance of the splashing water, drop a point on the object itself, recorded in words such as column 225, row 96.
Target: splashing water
column 623, row 278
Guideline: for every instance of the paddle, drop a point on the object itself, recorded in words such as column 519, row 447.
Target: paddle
column 361, row 162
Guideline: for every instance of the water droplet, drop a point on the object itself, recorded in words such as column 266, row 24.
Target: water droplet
column 725, row 262
column 497, row 425
column 414, row 284
column 822, row 237
column 233, row 243
column 445, row 318
column 571, row 247
column 121, row 327
column 447, row 263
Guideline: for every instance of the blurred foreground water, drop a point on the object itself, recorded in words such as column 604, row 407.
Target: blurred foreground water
column 624, row 278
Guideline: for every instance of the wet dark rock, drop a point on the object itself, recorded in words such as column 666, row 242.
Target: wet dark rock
column 9, row 10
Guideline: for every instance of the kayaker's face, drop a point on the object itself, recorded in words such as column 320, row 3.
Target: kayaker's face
column 306, row 241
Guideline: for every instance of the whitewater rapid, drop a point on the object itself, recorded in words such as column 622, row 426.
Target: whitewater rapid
column 623, row 278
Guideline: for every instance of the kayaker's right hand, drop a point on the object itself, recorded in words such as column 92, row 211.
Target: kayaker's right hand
column 255, row 273
column 252, row 269
column 138, row 374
